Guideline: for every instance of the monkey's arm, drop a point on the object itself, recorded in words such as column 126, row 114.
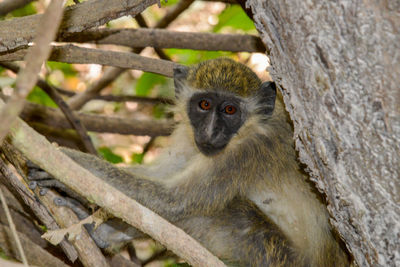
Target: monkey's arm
column 196, row 190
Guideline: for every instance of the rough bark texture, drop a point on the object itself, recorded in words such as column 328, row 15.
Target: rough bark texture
column 338, row 63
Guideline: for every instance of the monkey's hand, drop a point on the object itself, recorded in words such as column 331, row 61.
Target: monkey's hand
column 110, row 235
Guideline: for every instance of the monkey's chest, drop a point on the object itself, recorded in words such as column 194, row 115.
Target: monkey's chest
column 285, row 210
column 276, row 207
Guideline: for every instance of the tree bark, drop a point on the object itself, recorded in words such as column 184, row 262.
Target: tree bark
column 338, row 65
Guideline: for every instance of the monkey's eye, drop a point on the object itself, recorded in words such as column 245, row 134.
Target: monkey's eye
column 204, row 104
column 229, row 109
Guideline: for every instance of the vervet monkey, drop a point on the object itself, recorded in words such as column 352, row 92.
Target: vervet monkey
column 231, row 178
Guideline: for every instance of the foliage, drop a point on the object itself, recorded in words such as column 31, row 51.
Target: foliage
column 147, row 82
column 67, row 69
column 38, row 96
column 137, row 158
column 3, row 255
column 27, row 10
column 109, row 155
column 234, row 17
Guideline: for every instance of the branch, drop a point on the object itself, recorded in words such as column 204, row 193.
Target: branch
column 133, row 98
column 28, row 226
column 6, row 6
column 142, row 23
column 11, row 177
column 93, row 188
column 36, row 255
column 13, row 229
column 69, row 114
column 173, row 13
column 80, row 55
column 35, row 57
column 160, row 38
column 15, row 34
column 111, row 74
column 97, row 123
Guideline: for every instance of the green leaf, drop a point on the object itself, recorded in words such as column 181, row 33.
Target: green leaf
column 188, row 57
column 66, row 68
column 177, row 265
column 168, row 2
column 147, row 82
column 233, row 16
column 110, row 156
column 3, row 255
column 159, row 111
column 27, row 10
column 137, row 158
column 38, row 96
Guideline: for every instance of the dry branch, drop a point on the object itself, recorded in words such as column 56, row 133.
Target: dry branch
column 160, row 38
column 15, row 33
column 94, row 189
column 26, row 226
column 36, row 255
column 11, row 224
column 7, row 6
column 35, row 57
column 132, row 98
column 11, row 178
column 173, row 13
column 97, row 123
column 142, row 23
column 80, row 55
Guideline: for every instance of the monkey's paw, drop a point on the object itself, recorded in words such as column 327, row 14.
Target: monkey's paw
column 44, row 181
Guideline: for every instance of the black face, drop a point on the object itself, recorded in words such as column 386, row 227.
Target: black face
column 215, row 119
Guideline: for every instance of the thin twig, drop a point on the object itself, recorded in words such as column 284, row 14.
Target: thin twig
column 37, row 54
column 173, row 13
column 69, row 114
column 142, row 23
column 109, row 75
column 13, row 229
column 97, row 123
column 132, row 98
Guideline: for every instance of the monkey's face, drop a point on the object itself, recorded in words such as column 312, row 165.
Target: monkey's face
column 215, row 118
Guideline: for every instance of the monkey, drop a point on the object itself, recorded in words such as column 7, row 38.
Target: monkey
column 231, row 178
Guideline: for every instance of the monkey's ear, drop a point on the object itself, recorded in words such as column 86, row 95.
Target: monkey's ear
column 180, row 74
column 267, row 96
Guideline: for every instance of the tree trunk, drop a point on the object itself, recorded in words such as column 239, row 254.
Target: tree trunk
column 338, row 65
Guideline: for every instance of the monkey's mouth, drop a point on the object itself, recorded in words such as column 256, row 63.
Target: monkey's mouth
column 209, row 149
